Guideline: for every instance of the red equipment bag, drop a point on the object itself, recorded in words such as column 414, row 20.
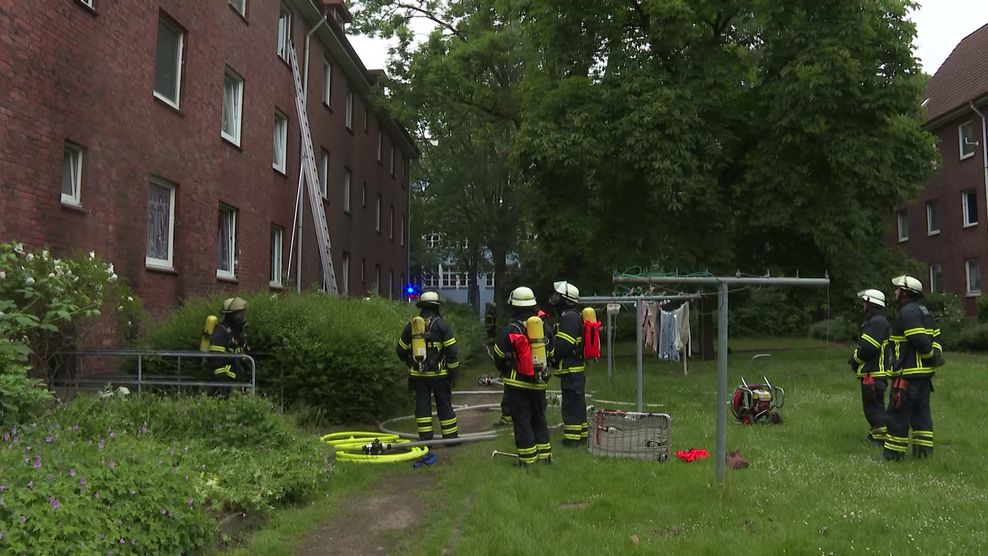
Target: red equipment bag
column 591, row 339
column 523, row 353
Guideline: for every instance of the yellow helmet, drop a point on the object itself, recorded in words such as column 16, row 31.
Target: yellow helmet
column 522, row 297
column 908, row 283
column 428, row 298
column 233, row 305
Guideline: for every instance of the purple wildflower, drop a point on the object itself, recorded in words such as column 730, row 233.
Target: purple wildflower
column 55, row 504
column 83, row 483
column 49, row 439
column 102, row 536
column 75, row 427
column 189, row 501
column 144, row 428
column 30, row 484
column 112, row 435
column 3, row 488
column 37, row 462
column 6, row 437
column 2, row 536
column 72, row 472
column 96, row 495
column 122, row 540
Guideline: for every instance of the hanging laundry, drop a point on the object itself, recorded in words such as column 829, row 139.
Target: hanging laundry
column 649, row 328
column 685, row 341
column 668, row 337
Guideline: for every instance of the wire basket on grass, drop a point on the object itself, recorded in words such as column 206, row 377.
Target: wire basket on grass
column 629, row 434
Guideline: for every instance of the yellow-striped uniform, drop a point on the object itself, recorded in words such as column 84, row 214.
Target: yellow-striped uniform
column 226, row 339
column 868, row 362
column 524, row 396
column 569, row 365
column 913, row 351
column 434, row 377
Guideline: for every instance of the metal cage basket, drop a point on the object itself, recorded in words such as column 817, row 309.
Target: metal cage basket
column 629, row 434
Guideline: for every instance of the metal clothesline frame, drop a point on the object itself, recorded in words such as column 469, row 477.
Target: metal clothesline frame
column 638, row 302
column 722, row 283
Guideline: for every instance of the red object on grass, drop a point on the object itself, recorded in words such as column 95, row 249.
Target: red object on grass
column 692, row 454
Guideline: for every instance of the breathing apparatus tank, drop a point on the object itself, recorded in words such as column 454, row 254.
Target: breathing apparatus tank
column 418, row 340
column 536, row 337
column 588, row 314
column 207, row 332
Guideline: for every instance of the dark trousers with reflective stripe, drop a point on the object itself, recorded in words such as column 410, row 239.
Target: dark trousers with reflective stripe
column 574, row 408
column 873, row 402
column 914, row 412
column 425, row 389
column 527, row 409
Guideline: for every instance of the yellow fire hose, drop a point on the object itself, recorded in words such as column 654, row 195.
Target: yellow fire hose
column 350, row 445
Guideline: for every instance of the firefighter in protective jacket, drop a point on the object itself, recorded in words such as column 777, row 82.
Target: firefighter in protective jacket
column 568, row 362
column 520, row 354
column 432, row 372
column 229, row 336
column 868, row 363
column 914, row 351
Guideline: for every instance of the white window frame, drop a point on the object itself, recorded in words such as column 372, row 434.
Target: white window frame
column 391, row 284
column 933, row 281
column 960, row 140
column 363, row 270
column 363, row 195
column 348, row 121
column 902, row 225
column 392, row 169
column 932, row 213
column 347, row 181
column 377, row 277
column 327, row 82
column 377, row 221
column 238, row 110
column 402, row 231
column 284, row 32
column 366, row 118
column 324, row 173
column 380, row 143
column 966, row 208
column 967, row 276
column 72, row 163
column 277, row 250
column 240, row 6
column 231, row 237
column 174, row 102
column 280, row 139
column 154, row 262
column 346, row 273
column 391, row 223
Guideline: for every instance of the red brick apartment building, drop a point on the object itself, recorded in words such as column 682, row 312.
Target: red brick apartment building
column 947, row 226
column 164, row 135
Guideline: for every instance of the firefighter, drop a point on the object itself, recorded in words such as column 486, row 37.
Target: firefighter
column 432, row 372
column 914, row 351
column 568, row 362
column 520, row 355
column 229, row 336
column 867, row 361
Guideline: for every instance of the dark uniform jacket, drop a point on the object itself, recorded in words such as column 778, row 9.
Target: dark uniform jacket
column 440, row 344
column 568, row 353
column 914, row 344
column 869, row 355
column 506, row 361
column 226, row 340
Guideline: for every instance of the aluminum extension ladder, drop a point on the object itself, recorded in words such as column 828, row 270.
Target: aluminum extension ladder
column 312, row 181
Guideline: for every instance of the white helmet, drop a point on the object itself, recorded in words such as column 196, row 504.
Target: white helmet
column 874, row 297
column 522, row 297
column 567, row 291
column 908, row 283
column 428, row 298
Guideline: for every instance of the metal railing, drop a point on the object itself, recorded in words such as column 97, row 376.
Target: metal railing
column 143, row 354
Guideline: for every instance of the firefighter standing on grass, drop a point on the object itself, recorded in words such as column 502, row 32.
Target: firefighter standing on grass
column 868, row 363
column 568, row 363
column 229, row 336
column 520, row 354
column 432, row 366
column 914, row 351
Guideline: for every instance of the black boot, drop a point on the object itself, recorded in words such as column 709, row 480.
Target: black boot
column 922, row 452
column 892, row 455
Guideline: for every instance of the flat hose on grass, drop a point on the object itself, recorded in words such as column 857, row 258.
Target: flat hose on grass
column 349, row 446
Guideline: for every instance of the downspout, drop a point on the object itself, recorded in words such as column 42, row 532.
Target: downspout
column 984, row 146
column 305, row 103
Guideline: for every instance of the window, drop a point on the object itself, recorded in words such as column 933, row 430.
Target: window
column 932, row 218
column 233, row 99
column 391, row 223
column 327, row 82
column 71, row 174
column 392, row 165
column 240, row 6
column 363, row 271
column 402, row 230
column 430, row 279
column 168, row 63
column 379, row 143
column 347, row 179
column 226, row 242
column 161, row 224
column 346, row 273
column 967, row 140
column 324, row 173
column 277, row 242
column 377, row 278
column 284, row 33
column 363, row 195
column 489, row 280
column 366, row 118
column 377, row 221
column 349, row 110
column 280, row 141
column 969, row 200
column 432, row 240
column 973, row 271
column 936, row 278
column 391, row 284
column 903, row 219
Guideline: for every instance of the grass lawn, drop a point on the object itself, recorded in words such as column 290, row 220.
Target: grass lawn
column 814, row 485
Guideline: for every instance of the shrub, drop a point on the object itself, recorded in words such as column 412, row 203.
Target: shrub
column 837, row 330
column 763, row 312
column 948, row 311
column 983, row 309
column 973, row 337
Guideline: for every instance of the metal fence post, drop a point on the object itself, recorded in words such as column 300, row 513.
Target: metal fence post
column 140, row 374
column 639, row 310
column 722, row 383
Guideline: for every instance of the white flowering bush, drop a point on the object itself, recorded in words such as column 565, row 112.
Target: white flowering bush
column 47, row 306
